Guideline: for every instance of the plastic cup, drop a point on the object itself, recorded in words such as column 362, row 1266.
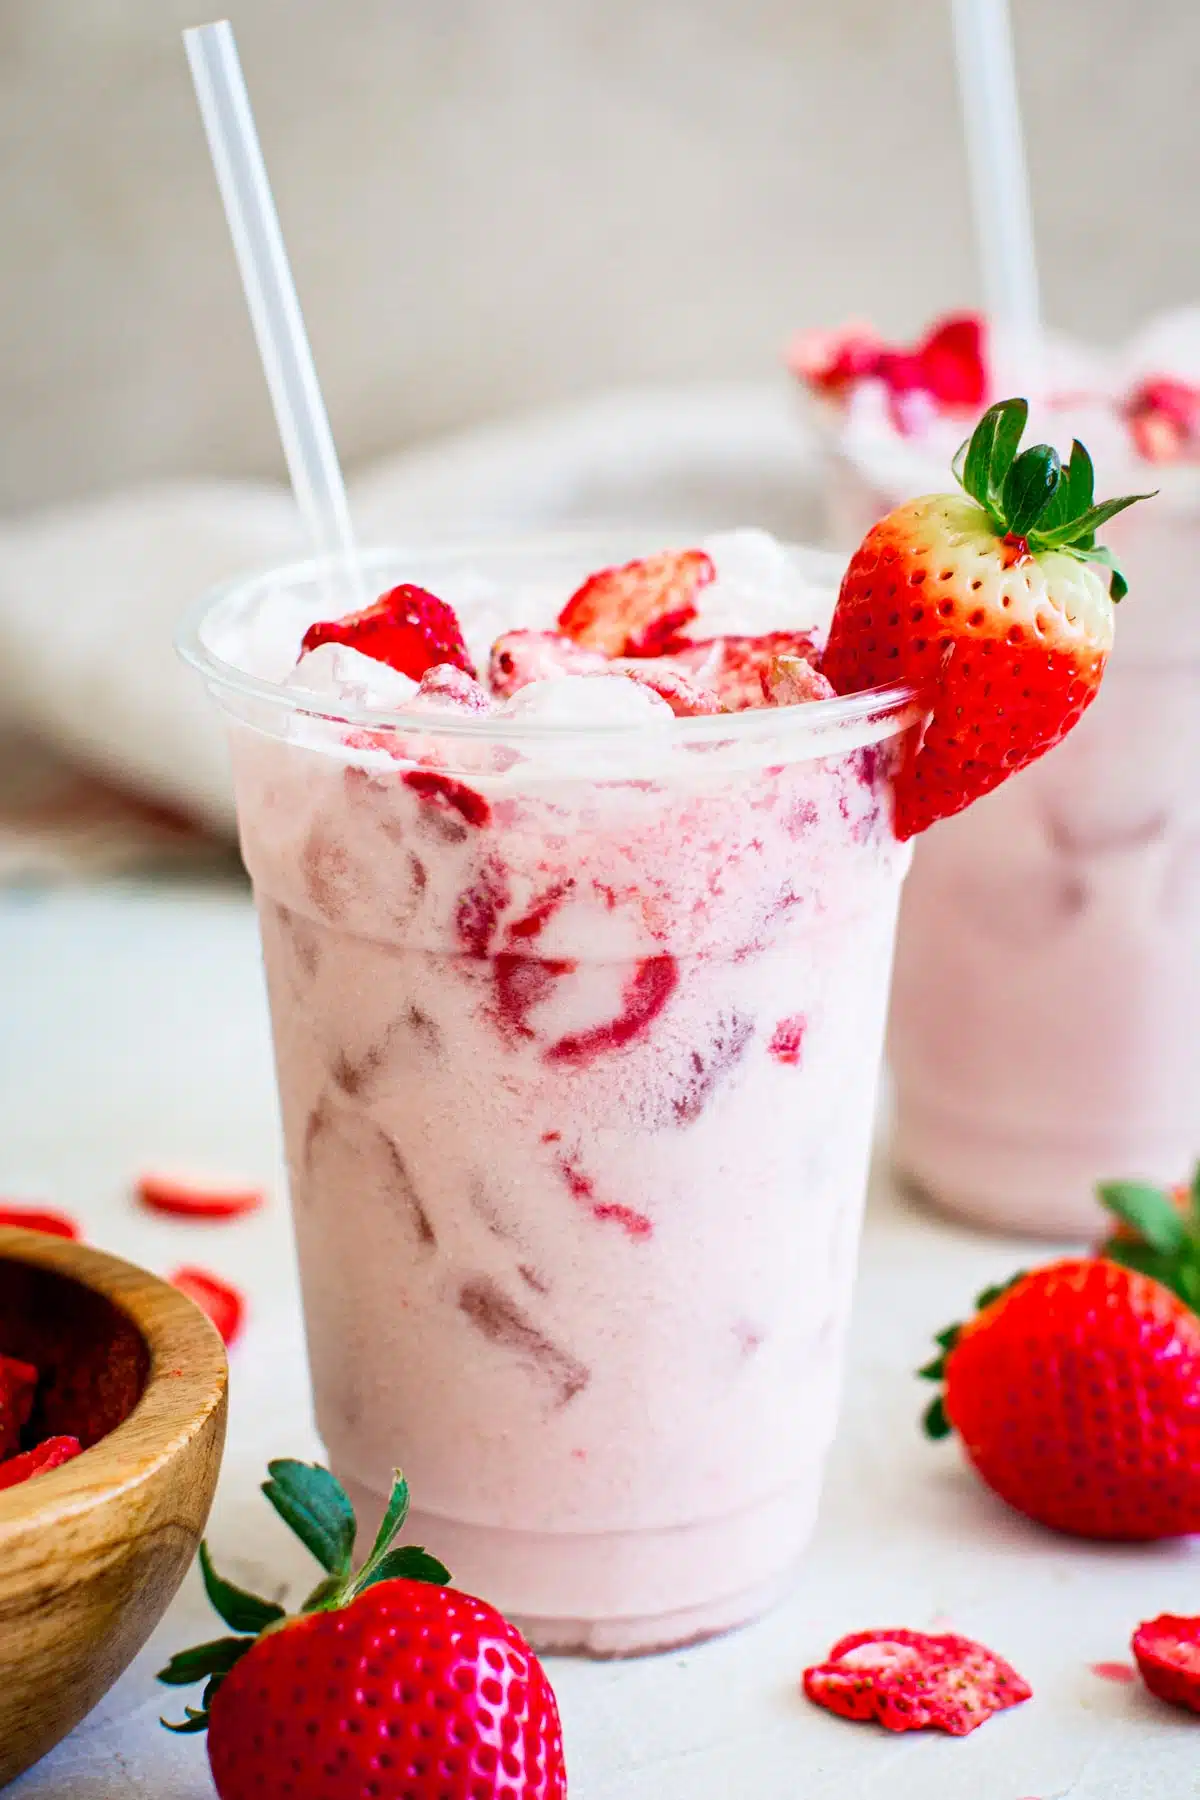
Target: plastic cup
column 1047, row 985
column 577, row 1035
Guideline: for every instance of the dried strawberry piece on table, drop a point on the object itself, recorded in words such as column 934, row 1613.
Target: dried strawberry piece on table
column 39, row 1218
column 638, row 608
column 222, row 1303
column 51, row 1453
column 908, row 1680
column 408, row 628
column 18, row 1384
column 1167, row 1652
column 180, row 1198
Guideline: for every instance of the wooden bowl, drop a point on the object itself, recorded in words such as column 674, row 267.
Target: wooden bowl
column 91, row 1553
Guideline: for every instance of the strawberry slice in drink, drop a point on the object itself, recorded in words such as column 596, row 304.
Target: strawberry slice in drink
column 996, row 603
column 408, row 628
column 639, row 608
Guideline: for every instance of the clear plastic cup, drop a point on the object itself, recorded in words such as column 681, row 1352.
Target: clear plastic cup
column 577, row 1036
column 1047, row 986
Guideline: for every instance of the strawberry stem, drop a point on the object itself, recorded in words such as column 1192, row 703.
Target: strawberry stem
column 1158, row 1233
column 316, row 1507
column 1032, row 501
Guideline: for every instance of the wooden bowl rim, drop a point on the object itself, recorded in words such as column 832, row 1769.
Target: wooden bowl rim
column 186, row 1383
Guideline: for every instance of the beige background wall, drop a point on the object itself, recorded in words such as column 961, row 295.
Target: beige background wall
column 496, row 203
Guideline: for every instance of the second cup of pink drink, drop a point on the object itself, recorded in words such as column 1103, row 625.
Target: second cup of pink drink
column 577, row 1023
column 1043, row 1025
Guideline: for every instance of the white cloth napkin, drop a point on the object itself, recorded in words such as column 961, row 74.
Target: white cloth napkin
column 90, row 594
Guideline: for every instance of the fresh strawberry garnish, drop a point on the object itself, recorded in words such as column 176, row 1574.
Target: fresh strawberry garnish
column 906, row 1680
column 1164, row 419
column 1167, row 1652
column 181, row 1199
column 18, row 1384
column 216, row 1298
column 947, row 368
column 386, row 1682
column 39, row 1218
column 408, row 628
column 51, row 1453
column 637, row 609
column 991, row 604
column 1074, row 1389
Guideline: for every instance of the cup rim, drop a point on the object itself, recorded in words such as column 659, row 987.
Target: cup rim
column 818, row 718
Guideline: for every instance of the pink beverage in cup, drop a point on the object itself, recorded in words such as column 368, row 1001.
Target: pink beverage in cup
column 1047, row 985
column 577, row 997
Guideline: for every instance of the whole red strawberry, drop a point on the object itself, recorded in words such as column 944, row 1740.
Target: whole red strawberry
column 1076, row 1390
column 407, row 628
column 387, row 1683
column 991, row 603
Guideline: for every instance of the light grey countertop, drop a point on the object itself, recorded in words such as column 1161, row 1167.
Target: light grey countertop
column 133, row 1032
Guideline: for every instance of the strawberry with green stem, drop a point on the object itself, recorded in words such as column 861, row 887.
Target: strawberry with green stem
column 1075, row 1389
column 996, row 603
column 385, row 1683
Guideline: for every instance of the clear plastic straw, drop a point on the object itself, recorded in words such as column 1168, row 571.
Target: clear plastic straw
column 999, row 178
column 271, row 296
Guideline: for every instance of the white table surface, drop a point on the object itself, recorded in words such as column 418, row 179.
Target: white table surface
column 133, row 1031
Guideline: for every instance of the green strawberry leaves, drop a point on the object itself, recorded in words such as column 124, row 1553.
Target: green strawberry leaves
column 314, row 1503
column 1030, row 497
column 1161, row 1236
column 410, row 1563
column 241, row 1611
column 316, row 1507
column 935, row 1420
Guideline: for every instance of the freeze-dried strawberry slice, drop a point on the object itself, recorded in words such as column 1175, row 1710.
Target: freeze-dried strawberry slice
column 222, row 1303
column 736, row 668
column 1167, row 1651
column 685, row 699
column 448, row 688
column 408, row 628
column 520, row 657
column 182, row 1199
column 52, row 1453
column 791, row 681
column 38, row 1218
column 1163, row 416
column 906, row 1680
column 18, row 1383
column 637, row 609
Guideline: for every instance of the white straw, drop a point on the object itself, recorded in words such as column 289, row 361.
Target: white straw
column 271, row 293
column 999, row 180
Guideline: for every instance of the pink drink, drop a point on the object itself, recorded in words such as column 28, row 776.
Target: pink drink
column 1043, row 1027
column 577, row 1034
